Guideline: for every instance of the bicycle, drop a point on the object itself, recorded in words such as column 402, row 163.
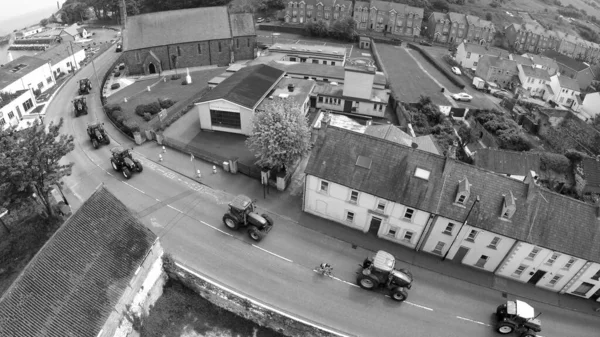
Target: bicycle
column 324, row 269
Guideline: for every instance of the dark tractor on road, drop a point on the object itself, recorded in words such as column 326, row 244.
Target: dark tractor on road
column 80, row 106
column 241, row 214
column 123, row 161
column 85, row 86
column 378, row 272
column 517, row 316
column 97, row 135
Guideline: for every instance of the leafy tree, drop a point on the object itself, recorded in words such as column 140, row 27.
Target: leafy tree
column 280, row 134
column 466, row 135
column 440, row 5
column 318, row 28
column 43, row 22
column 274, row 5
column 31, row 162
column 344, row 29
column 488, row 16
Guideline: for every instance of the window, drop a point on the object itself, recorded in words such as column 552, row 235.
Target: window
column 469, row 55
column 408, row 235
column 494, row 243
column 237, row 43
column 225, row 119
column 137, row 58
column 199, row 49
column 2, row 122
column 18, row 110
column 555, row 279
column 381, row 205
column 449, row 228
column 178, row 51
column 569, row 264
column 534, row 252
column 596, row 276
column 408, row 214
column 472, row 235
column 583, row 289
column 438, row 248
column 475, row 64
column 332, row 63
column 324, row 186
column 392, row 232
column 10, row 115
column 552, row 259
column 28, row 104
column 354, row 197
column 519, row 271
column 349, row 216
column 219, row 46
column 482, row 260
column 315, row 61
column 40, row 85
column 461, row 199
column 49, row 80
column 248, row 42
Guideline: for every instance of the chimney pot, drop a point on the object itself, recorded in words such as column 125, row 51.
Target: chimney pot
column 291, row 88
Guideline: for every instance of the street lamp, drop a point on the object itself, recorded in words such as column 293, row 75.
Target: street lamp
column 461, row 227
column 3, row 212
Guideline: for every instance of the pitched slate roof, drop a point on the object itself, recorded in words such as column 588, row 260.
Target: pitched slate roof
column 568, row 83
column 507, row 162
column 439, row 16
column 72, row 30
column 521, row 60
column 394, row 134
column 242, row 24
column 502, row 63
column 565, row 60
column 178, row 26
column 8, row 75
column 544, row 61
column 536, row 73
column 457, row 17
column 591, row 171
column 59, row 52
column 391, row 175
column 484, row 50
column 247, row 86
column 73, row 283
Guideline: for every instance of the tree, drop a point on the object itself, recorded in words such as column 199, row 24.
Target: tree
column 317, row 29
column 440, row 5
column 280, row 134
column 31, row 162
column 43, row 22
column 344, row 29
column 466, row 135
column 488, row 16
column 274, row 5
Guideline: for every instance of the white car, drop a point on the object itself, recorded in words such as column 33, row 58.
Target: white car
column 456, row 71
column 260, row 20
column 462, row 97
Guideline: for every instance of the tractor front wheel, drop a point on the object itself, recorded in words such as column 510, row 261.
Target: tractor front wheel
column 114, row 165
column 95, row 143
column 230, row 222
column 368, row 282
column 255, row 234
column 126, row 173
column 398, row 294
column 505, row 328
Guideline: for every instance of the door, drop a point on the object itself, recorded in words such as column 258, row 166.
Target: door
column 460, row 254
column 375, row 225
column 583, row 289
column 347, row 106
column 537, row 276
column 151, row 68
column 313, row 102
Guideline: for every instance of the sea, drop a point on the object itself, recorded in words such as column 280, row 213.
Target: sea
column 19, row 22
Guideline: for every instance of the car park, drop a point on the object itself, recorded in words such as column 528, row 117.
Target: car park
column 462, row 97
column 456, row 71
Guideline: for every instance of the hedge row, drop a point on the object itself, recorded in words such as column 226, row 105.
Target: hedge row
column 127, row 125
column 444, row 70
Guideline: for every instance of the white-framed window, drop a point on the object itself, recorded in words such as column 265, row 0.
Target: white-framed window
column 353, row 197
column 461, row 199
column 349, row 216
column 408, row 235
column 408, row 213
column 324, row 186
column 472, row 235
column 381, row 205
column 554, row 280
column 596, row 276
column 534, row 252
column 569, row 264
column 481, row 261
column 494, row 243
column 552, row 259
column 438, row 248
column 468, row 55
column 449, row 228
column 392, row 231
column 475, row 64
column 519, row 271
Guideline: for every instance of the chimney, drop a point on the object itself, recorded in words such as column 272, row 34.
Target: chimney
column 290, row 87
column 319, row 135
column 531, row 180
column 123, row 13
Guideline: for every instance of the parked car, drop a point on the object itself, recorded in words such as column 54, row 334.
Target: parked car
column 502, row 94
column 462, row 97
column 456, row 71
column 259, row 20
column 425, row 43
column 119, row 48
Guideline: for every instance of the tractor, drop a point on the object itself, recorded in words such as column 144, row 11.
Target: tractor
column 97, row 134
column 241, row 214
column 85, row 86
column 80, row 106
column 517, row 316
column 123, row 161
column 378, row 272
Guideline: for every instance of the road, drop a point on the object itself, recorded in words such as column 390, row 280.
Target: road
column 278, row 271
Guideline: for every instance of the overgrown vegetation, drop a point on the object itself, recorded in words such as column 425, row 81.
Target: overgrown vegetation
column 426, row 119
column 344, row 29
column 506, row 130
column 572, row 134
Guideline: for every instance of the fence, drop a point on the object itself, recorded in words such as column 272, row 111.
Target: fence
column 438, row 66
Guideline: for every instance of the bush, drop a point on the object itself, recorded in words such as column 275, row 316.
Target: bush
column 111, row 108
column 575, row 156
column 121, row 67
column 115, row 86
column 165, row 103
column 152, row 108
column 488, row 16
column 131, row 126
column 555, row 162
column 147, row 117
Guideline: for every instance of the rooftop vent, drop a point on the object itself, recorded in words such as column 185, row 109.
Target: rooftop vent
column 290, row 87
column 284, row 95
column 364, row 162
column 334, row 83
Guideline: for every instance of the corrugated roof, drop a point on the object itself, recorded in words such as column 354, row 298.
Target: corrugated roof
column 247, row 86
column 14, row 70
column 178, row 26
column 565, row 60
column 568, row 83
column 242, row 24
column 391, row 175
column 73, row 283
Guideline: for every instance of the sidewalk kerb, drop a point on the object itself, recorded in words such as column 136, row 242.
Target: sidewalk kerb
column 260, row 304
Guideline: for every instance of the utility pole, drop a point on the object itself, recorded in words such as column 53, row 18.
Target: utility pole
column 460, row 229
column 73, row 56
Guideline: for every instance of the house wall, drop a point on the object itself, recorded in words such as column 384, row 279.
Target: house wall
column 519, row 255
column 42, row 75
column 142, row 292
column 467, row 59
column 371, row 109
column 591, row 104
column 357, row 84
column 68, row 63
column 535, row 86
column 335, row 204
column 9, row 113
column 244, row 49
column 587, row 274
column 203, row 110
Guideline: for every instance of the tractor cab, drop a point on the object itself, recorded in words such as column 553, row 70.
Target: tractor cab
column 517, row 316
column 241, row 206
column 123, row 161
column 242, row 214
column 85, row 86
column 80, row 106
column 379, row 271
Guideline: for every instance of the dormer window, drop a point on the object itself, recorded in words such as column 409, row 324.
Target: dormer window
column 463, row 193
column 509, row 206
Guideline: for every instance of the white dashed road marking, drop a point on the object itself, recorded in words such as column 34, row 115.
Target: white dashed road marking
column 418, row 306
column 472, row 321
column 135, row 188
column 215, row 228
column 171, row 207
column 266, row 251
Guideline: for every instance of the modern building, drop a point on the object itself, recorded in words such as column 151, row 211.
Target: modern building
column 111, row 266
column 574, row 69
column 496, row 69
column 64, row 58
column 314, row 54
column 298, row 90
column 184, row 38
column 533, row 80
column 468, row 54
column 29, row 31
column 25, row 73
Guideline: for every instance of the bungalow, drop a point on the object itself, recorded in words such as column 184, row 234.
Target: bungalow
column 328, row 55
column 26, row 72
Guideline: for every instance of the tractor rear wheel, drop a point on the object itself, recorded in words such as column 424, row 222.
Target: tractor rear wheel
column 528, row 333
column 230, row 222
column 398, row 294
column 255, row 233
column 126, row 173
column 368, row 282
column 95, row 143
column 114, row 165
column 505, row 328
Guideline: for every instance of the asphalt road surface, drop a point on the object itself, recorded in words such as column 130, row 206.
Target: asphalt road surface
column 278, row 271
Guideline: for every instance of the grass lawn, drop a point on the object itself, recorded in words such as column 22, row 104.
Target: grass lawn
column 137, row 94
column 433, row 71
column 180, row 312
column 407, row 80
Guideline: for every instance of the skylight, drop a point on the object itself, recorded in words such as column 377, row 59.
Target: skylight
column 19, row 67
column 421, row 173
column 364, row 162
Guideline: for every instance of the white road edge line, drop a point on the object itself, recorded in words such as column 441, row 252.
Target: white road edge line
column 215, row 228
column 266, row 251
column 472, row 321
column 418, row 306
column 171, row 207
column 262, row 304
column 135, row 188
column 110, row 174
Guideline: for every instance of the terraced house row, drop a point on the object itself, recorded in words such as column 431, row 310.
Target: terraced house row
column 456, row 28
column 529, row 37
column 379, row 16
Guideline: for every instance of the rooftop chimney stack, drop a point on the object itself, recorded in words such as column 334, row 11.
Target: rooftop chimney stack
column 290, row 87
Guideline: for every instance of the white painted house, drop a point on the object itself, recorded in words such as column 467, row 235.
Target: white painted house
column 533, row 80
column 468, row 54
column 565, row 91
column 15, row 107
column 371, row 184
column 64, row 58
column 24, row 73
column 591, row 104
column 586, row 282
